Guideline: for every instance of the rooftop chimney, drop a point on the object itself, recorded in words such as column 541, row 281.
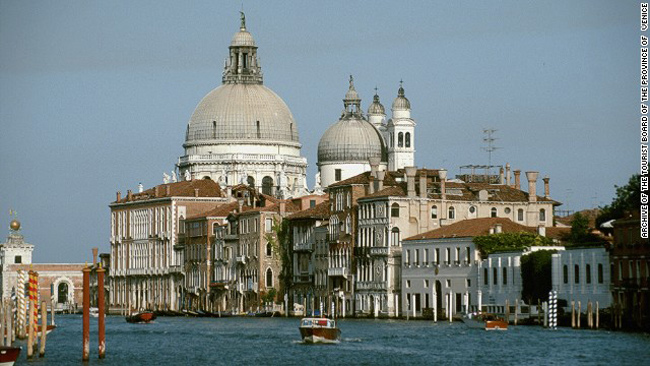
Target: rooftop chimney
column 501, row 176
column 129, row 195
column 517, row 179
column 167, row 190
column 547, row 190
column 240, row 202
column 140, row 188
column 423, row 184
column 283, row 208
column 532, row 186
column 196, row 192
column 374, row 166
column 95, row 256
column 508, row 174
column 410, row 180
column 443, row 183
column 371, row 184
column 541, row 230
column 118, row 196
column 156, row 191
column 498, row 228
column 380, row 179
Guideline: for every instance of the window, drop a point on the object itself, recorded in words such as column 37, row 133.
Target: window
column 493, row 212
column 407, row 258
column 268, row 226
column 457, row 254
column 448, row 283
column 452, row 213
column 542, row 215
column 472, row 209
column 267, row 185
column 312, row 203
column 408, row 283
column 448, row 256
column 520, row 215
column 566, row 274
column 506, row 210
column 425, row 259
column 417, row 257
column 395, row 237
column 577, row 274
column 269, row 278
column 494, row 275
column 269, row 249
column 337, row 174
column 426, row 283
column 469, row 256
column 505, row 275
column 485, row 276
column 400, row 139
column 394, row 210
column 468, row 283
column 588, row 273
column 434, row 212
column 600, row 273
column 18, row 259
column 407, row 139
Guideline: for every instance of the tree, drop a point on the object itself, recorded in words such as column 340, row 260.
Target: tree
column 580, row 233
column 504, row 242
column 280, row 239
column 536, row 276
column 627, row 198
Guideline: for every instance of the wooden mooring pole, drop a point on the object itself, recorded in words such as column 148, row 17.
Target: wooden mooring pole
column 30, row 331
column 41, row 352
column 86, row 313
column 573, row 314
column 101, row 318
column 578, row 314
column 597, row 315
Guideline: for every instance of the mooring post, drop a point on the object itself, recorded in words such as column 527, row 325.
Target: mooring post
column 100, row 307
column 3, row 312
column 86, row 313
column 578, row 314
column 30, row 331
column 573, row 314
column 52, row 312
column 516, row 309
column 597, row 315
column 10, row 330
column 507, row 311
column 41, row 352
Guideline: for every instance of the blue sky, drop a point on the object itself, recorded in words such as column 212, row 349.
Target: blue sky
column 95, row 96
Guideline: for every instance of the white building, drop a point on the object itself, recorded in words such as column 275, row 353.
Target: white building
column 242, row 132
column 583, row 274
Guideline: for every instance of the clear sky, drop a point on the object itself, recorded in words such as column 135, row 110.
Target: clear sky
column 95, row 96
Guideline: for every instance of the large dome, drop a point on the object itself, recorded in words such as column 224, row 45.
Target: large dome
column 242, row 112
column 351, row 140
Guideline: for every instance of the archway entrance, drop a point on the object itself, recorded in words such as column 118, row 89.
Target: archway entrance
column 62, row 293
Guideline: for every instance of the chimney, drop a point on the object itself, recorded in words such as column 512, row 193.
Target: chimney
column 240, row 202
column 541, row 230
column 498, row 228
column 371, row 184
column 491, row 230
column 283, row 208
column 380, row 179
column 118, row 196
column 156, row 191
column 228, row 191
column 501, row 175
column 374, row 166
column 508, row 174
column 167, row 190
column 517, row 179
column 196, row 192
column 410, row 180
column 423, row 184
column 532, row 186
column 140, row 188
column 443, row 183
column 95, row 256
column 547, row 190
column 129, row 195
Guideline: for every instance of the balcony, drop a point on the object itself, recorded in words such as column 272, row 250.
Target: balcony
column 361, row 251
column 371, row 286
column 379, row 251
column 303, row 278
column 176, row 269
column 241, row 259
column 303, row 247
column 338, row 272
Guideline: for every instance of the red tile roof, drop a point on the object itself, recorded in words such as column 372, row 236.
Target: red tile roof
column 472, row 228
column 206, row 187
column 320, row 211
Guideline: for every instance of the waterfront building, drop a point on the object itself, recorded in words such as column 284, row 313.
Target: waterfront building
column 583, row 275
column 242, row 132
column 58, row 283
column 630, row 270
column 146, row 268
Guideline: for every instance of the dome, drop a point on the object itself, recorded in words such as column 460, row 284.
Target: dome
column 14, row 225
column 376, row 107
column 242, row 112
column 351, row 140
column 401, row 103
column 242, row 39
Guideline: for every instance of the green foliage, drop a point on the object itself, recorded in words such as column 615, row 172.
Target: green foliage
column 580, row 234
column 280, row 240
column 505, row 242
column 536, row 275
column 269, row 296
column 627, row 198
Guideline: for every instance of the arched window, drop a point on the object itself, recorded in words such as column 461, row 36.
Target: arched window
column 267, row 185
column 485, row 276
column 542, row 215
column 577, row 274
column 400, row 139
column 494, row 275
column 269, row 250
column 493, row 212
column 452, row 213
column 520, row 215
column 566, row 274
column 588, row 273
column 505, row 275
column 407, row 139
column 394, row 239
column 394, row 210
column 63, row 293
column 434, row 212
column 269, row 278
column 251, row 181
column 600, row 272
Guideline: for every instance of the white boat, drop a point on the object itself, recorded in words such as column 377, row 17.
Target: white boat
column 94, row 312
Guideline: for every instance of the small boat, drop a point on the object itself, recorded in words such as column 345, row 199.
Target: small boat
column 94, row 312
column 487, row 321
column 8, row 355
column 143, row 316
column 319, row 330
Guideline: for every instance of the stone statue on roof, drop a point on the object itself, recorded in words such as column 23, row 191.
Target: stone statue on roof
column 174, row 179
column 166, row 178
column 187, row 175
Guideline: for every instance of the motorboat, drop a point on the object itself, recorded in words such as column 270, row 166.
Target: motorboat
column 8, row 355
column 143, row 316
column 487, row 321
column 94, row 312
column 319, row 330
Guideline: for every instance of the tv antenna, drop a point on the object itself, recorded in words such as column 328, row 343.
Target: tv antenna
column 489, row 140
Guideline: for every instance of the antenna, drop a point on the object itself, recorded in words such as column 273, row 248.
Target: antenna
column 489, row 140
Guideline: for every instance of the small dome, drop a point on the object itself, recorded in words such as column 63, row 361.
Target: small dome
column 376, row 107
column 14, row 225
column 401, row 103
column 242, row 39
column 351, row 140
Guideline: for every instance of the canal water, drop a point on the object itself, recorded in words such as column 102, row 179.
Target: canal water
column 276, row 341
